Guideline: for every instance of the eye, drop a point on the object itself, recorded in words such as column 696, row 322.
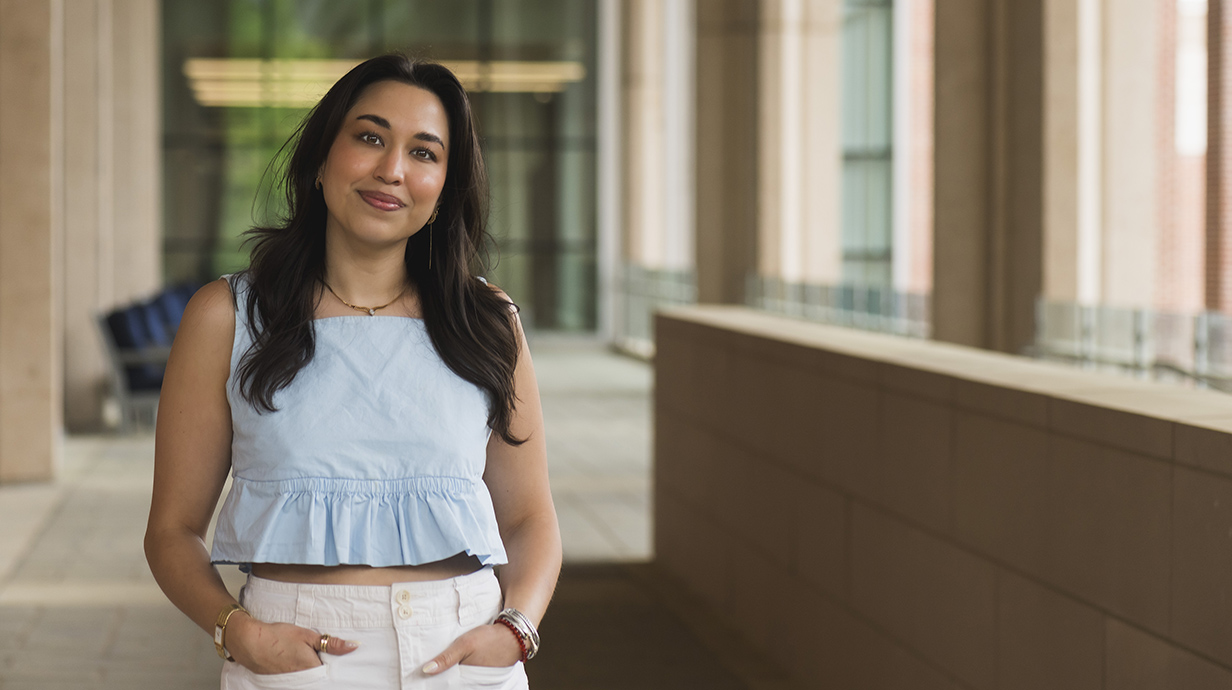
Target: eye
column 423, row 153
column 370, row 138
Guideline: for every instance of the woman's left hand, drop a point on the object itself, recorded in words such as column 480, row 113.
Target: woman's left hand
column 487, row 645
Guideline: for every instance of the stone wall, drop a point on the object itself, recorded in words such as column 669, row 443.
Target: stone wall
column 876, row 512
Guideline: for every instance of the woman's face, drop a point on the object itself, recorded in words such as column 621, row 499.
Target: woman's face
column 385, row 170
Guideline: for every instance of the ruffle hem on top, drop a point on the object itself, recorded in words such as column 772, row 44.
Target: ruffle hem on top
column 375, row 522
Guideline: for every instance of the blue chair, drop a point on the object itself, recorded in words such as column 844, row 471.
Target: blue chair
column 138, row 340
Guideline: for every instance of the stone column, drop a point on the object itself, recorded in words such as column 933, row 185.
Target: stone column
column 727, row 148
column 31, row 115
column 1072, row 146
column 87, row 229
column 987, row 167
column 1130, row 152
column 1102, row 150
column 800, row 151
column 137, row 151
column 113, row 250
column 913, row 146
column 658, row 137
column 1219, row 156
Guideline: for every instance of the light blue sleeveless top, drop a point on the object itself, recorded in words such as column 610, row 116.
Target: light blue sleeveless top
column 375, row 455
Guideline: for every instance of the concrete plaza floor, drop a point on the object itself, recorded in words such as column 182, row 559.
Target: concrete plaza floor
column 79, row 608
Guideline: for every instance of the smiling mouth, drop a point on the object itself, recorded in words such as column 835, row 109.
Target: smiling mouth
column 384, row 202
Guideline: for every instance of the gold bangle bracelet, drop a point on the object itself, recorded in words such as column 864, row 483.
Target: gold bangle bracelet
column 220, row 629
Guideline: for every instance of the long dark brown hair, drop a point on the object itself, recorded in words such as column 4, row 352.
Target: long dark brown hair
column 471, row 326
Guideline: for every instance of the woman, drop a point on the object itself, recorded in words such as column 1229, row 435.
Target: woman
column 375, row 401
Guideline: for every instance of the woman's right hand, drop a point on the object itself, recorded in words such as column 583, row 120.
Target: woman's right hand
column 268, row 648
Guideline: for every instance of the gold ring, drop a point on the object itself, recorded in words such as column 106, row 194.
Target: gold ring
column 324, row 641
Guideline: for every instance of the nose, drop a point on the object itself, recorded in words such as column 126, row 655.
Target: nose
column 390, row 168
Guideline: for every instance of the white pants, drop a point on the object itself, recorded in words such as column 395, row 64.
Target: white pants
column 399, row 629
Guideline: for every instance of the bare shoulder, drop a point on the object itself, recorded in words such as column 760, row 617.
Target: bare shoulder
column 211, row 307
column 208, row 324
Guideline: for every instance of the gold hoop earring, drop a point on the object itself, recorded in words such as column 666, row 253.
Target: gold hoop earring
column 430, row 222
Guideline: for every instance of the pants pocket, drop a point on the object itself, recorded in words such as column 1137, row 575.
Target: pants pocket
column 236, row 677
column 491, row 677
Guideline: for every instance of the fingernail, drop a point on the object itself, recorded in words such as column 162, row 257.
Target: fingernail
column 350, row 644
column 430, row 667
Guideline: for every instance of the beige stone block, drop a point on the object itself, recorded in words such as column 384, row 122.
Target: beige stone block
column 753, row 406
column 1094, row 421
column 691, row 549
column 913, row 380
column 849, row 367
column 910, row 474
column 1137, row 660
column 1206, row 444
column 669, row 326
column 680, row 451
column 670, row 533
column 1108, row 533
column 751, row 497
column 936, row 598
column 1006, row 402
column 833, row 434
column 1159, row 399
column 1001, row 489
column 1046, row 640
column 836, row 649
column 767, row 347
column 762, row 601
column 1091, row 520
column 711, row 394
column 673, row 365
column 1202, row 563
column 838, row 351
column 762, row 508
column 821, row 538
column 721, row 476
column 798, row 406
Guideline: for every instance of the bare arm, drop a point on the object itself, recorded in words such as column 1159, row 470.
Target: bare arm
column 192, row 455
column 517, row 478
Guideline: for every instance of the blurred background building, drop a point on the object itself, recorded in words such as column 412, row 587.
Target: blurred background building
column 1026, row 177
column 984, row 179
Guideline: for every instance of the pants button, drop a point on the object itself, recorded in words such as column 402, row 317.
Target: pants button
column 404, row 612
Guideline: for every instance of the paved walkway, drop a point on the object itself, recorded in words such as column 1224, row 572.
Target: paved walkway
column 79, row 608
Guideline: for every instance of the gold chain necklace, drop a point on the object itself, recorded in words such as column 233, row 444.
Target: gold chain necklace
column 370, row 310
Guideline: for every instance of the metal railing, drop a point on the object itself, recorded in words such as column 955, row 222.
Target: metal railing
column 1183, row 348
column 642, row 291
column 855, row 306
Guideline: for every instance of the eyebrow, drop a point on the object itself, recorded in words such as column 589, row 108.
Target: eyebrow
column 422, row 136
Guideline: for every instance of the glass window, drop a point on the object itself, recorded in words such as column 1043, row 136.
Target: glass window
column 277, row 56
column 867, row 142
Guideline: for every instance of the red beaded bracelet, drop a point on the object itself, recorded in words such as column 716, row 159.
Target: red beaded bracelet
column 517, row 635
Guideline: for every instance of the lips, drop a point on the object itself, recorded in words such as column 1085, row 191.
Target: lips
column 384, row 202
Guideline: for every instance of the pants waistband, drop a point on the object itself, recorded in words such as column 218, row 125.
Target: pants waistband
column 455, row 600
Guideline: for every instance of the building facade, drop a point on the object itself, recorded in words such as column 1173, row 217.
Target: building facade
column 958, row 162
